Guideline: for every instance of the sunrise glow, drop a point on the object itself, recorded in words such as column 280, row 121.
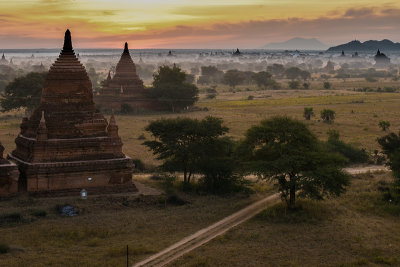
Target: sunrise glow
column 193, row 24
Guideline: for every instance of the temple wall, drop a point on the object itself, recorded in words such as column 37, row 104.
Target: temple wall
column 69, row 175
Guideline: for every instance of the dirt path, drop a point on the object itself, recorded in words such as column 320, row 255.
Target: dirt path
column 206, row 234
column 365, row 169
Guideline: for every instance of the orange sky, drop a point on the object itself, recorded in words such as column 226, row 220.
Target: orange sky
column 193, row 24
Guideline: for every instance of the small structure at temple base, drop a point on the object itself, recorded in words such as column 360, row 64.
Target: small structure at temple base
column 8, row 176
column 125, row 89
column 66, row 140
column 381, row 60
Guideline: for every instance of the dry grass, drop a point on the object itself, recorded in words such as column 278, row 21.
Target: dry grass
column 357, row 116
column 354, row 230
column 99, row 235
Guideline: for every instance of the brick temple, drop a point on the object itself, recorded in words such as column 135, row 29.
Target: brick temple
column 125, row 88
column 67, row 143
column 8, row 175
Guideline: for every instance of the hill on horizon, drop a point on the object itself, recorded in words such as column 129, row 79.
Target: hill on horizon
column 371, row 45
column 298, row 44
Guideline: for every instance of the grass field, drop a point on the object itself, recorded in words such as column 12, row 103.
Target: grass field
column 353, row 230
column 357, row 116
column 358, row 229
column 99, row 235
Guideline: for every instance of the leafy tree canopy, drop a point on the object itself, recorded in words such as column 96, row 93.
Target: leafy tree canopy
column 170, row 86
column 285, row 151
column 23, row 92
column 184, row 144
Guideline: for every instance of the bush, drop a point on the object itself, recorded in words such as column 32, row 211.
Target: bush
column 4, row 248
column 211, row 96
column 351, row 153
column 139, row 165
column 294, row 84
column 39, row 213
column 327, row 85
column 250, row 97
column 10, row 218
column 328, row 115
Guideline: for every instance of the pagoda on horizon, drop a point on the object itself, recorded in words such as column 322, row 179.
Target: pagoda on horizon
column 67, row 143
column 125, row 89
column 125, row 80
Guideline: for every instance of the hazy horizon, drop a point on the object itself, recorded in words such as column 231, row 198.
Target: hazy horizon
column 178, row 24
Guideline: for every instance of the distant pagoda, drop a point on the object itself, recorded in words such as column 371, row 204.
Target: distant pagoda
column 125, row 88
column 67, row 143
column 381, row 60
column 3, row 60
column 125, row 80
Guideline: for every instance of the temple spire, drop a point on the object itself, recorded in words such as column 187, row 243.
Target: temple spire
column 41, row 134
column 67, row 41
column 112, row 127
column 126, row 50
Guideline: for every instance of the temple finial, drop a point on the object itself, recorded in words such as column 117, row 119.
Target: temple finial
column 126, row 50
column 67, row 41
column 112, row 119
column 42, row 119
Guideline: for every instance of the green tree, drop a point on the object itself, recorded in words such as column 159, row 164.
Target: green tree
column 390, row 145
column 327, row 85
column 351, row 153
column 284, row 150
column 305, row 75
column 23, row 92
column 276, row 69
column 328, row 115
column 384, row 125
column 293, row 73
column 308, row 112
column 294, row 84
column 263, row 79
column 233, row 78
column 171, row 88
column 184, row 144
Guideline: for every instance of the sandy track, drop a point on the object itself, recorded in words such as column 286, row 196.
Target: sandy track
column 206, row 234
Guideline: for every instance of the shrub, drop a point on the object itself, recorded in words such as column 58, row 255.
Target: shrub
column 328, row 115
column 39, row 213
column 327, row 85
column 384, row 125
column 4, row 248
column 139, row 165
column 294, row 84
column 10, row 218
column 351, row 153
column 250, row 97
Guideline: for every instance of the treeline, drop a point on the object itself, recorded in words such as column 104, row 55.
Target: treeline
column 263, row 79
column 279, row 149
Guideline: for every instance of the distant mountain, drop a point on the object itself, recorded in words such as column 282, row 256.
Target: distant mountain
column 297, row 43
column 371, row 45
